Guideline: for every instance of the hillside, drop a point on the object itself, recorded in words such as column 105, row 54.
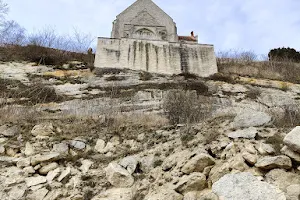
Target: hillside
column 74, row 134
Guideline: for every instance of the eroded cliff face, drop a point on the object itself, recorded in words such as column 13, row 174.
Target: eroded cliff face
column 77, row 134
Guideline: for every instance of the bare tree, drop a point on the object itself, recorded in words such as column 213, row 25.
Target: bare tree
column 12, row 33
column 81, row 41
column 3, row 10
column 45, row 37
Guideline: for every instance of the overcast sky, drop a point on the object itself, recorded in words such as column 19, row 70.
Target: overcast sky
column 257, row 25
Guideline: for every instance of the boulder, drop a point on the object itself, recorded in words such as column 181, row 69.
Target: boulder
column 52, row 175
column 130, row 163
column 29, row 170
column 29, row 150
column 17, row 192
column 293, row 192
column 9, row 131
column 251, row 118
column 250, row 158
column 39, row 194
column 198, row 163
column 290, row 153
column 85, row 165
column 248, row 133
column 268, row 162
column 118, row 176
column 164, row 194
column 245, row 186
column 79, row 145
column 100, row 145
column 43, row 129
column 265, row 149
column 61, row 148
column 292, row 139
column 193, row 182
column 47, row 168
column 32, row 181
column 2, row 149
column 282, row 179
column 44, row 158
column 24, row 162
column 64, row 174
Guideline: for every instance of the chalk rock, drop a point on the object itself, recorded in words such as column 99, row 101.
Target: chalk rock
column 282, row 179
column 130, row 163
column 251, row 118
column 193, row 182
column 268, row 162
column 44, row 158
column 47, row 168
column 38, row 194
column 32, row 181
column 85, row 165
column 292, row 139
column 116, row 194
column 290, row 153
column 293, row 192
column 64, row 174
column 43, row 129
column 24, row 162
column 29, row 150
column 8, row 131
column 198, row 163
column 164, row 194
column 245, row 186
column 250, row 158
column 100, row 145
column 79, row 145
column 248, row 133
column 118, row 176
column 61, row 148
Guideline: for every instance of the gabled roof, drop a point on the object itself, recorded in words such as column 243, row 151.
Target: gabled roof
column 136, row 3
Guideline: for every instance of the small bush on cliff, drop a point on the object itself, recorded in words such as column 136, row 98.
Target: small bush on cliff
column 284, row 54
column 185, row 106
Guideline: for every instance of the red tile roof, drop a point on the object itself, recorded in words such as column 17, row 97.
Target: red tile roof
column 187, row 38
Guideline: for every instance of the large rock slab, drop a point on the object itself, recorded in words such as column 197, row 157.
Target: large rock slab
column 282, row 179
column 290, row 153
column 44, row 158
column 193, row 182
column 251, row 118
column 247, row 187
column 32, row 181
column 118, row 176
column 292, row 139
column 248, row 133
column 268, row 162
column 198, row 163
column 130, row 163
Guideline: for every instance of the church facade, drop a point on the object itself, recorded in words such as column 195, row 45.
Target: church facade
column 145, row 38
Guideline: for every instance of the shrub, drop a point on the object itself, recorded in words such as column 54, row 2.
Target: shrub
column 290, row 117
column 283, row 54
column 145, row 76
column 184, row 106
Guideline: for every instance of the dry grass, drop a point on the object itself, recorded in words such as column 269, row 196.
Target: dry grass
column 185, row 106
column 248, row 64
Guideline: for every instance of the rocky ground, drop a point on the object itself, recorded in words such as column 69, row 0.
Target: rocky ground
column 104, row 137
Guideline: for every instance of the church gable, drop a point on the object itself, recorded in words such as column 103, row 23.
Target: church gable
column 143, row 18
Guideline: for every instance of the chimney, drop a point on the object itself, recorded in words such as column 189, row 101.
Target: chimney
column 192, row 33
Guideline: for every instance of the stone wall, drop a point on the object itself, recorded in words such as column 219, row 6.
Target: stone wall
column 156, row 56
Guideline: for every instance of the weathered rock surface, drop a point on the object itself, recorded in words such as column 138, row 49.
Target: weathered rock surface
column 164, row 193
column 250, row 118
column 44, row 129
column 193, row 182
column 268, row 162
column 118, row 176
column 44, row 158
column 290, row 153
column 248, row 133
column 292, row 139
column 47, row 168
column 247, row 187
column 32, row 181
column 282, row 179
column 116, row 194
column 198, row 163
column 9, row 131
column 129, row 163
column 293, row 192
